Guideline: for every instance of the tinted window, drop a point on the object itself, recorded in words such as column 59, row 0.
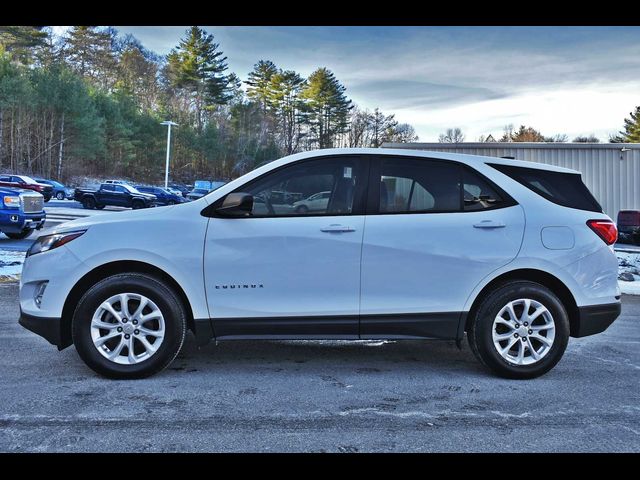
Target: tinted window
column 479, row 194
column 414, row 185
column 562, row 188
column 121, row 189
column 5, row 178
column 286, row 191
column 108, row 188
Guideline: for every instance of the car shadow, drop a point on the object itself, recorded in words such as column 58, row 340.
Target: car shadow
column 360, row 355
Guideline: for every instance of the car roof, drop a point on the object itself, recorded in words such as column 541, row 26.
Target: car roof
column 459, row 157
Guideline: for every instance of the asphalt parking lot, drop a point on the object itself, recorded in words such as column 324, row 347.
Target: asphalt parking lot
column 270, row 396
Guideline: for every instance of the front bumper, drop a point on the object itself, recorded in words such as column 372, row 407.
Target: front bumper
column 594, row 319
column 48, row 328
column 16, row 222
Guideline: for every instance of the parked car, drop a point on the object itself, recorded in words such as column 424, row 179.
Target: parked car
column 21, row 212
column 629, row 226
column 197, row 193
column 59, row 192
column 315, row 203
column 163, row 197
column 175, row 191
column 118, row 195
column 28, row 183
column 516, row 254
column 183, row 189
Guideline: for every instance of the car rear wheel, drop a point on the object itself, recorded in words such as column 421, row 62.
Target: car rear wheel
column 60, row 196
column 89, row 203
column 520, row 330
column 129, row 325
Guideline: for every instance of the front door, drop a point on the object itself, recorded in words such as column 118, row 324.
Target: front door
column 284, row 271
column 436, row 230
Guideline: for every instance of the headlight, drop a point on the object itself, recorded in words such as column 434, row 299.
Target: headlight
column 11, row 202
column 49, row 242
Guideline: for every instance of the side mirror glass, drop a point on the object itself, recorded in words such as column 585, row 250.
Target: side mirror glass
column 236, row 205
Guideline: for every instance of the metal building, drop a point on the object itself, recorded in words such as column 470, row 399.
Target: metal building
column 610, row 170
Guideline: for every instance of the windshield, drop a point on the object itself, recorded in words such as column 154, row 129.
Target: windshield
column 129, row 187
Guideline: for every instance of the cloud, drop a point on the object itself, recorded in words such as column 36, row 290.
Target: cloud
column 557, row 79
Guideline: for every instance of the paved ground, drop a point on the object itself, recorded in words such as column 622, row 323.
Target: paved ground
column 321, row 396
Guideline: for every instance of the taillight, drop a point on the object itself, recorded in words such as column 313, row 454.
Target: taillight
column 605, row 229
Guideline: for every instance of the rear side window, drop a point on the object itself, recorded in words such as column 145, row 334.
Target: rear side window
column 414, row 185
column 480, row 195
column 564, row 189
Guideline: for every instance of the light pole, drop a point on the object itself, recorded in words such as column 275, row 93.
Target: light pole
column 169, row 124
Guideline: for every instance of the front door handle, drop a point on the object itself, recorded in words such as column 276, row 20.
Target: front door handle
column 336, row 228
column 489, row 224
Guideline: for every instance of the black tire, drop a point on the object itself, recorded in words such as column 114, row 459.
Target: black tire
column 89, row 203
column 60, row 195
column 100, row 207
column 157, row 291
column 480, row 329
column 302, row 209
column 137, row 204
column 171, row 202
column 47, row 198
column 19, row 235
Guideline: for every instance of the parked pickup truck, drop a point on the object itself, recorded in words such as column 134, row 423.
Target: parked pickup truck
column 118, row 195
column 21, row 212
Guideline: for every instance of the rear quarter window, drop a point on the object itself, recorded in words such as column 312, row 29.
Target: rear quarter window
column 566, row 189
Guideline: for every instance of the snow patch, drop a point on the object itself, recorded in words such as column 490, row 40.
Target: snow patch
column 11, row 265
column 629, row 272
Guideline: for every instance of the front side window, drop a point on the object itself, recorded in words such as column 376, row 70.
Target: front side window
column 415, row 185
column 324, row 186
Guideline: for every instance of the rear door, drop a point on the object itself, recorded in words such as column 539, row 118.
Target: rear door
column 434, row 230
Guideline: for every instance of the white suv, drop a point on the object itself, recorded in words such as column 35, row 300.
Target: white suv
column 409, row 245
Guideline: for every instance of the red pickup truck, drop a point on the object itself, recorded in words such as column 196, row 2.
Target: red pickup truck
column 22, row 181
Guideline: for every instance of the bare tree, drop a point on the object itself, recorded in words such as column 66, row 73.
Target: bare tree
column 452, row 135
column 587, row 139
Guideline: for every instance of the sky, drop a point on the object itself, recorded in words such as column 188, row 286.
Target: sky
column 560, row 80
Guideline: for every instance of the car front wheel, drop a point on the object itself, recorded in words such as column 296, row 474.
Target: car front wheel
column 520, row 330
column 60, row 196
column 128, row 326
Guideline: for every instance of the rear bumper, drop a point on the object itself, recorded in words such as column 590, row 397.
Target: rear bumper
column 595, row 319
column 48, row 328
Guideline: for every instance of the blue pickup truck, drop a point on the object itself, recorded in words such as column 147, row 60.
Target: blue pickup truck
column 21, row 212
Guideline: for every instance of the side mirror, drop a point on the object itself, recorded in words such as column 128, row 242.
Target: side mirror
column 236, row 205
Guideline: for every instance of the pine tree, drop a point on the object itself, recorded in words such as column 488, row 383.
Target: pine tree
column 259, row 81
column 20, row 41
column 88, row 51
column 327, row 107
column 631, row 132
column 197, row 67
column 283, row 94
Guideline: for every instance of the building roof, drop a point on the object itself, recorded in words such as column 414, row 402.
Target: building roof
column 531, row 145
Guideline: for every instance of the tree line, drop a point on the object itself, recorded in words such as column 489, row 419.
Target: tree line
column 91, row 102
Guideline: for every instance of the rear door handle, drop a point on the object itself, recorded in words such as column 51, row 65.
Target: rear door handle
column 489, row 224
column 336, row 228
